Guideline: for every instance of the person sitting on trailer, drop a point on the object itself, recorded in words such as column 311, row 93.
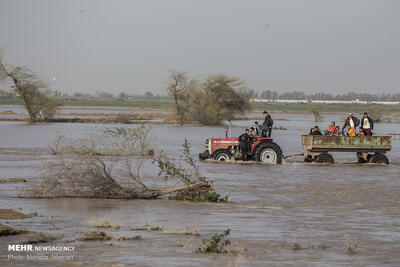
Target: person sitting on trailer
column 350, row 131
column 338, row 132
column 244, row 142
column 331, row 129
column 315, row 131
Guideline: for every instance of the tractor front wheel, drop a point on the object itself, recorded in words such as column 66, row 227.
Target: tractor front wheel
column 222, row 155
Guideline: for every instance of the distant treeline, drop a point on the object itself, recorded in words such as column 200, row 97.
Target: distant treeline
column 97, row 96
column 268, row 94
column 298, row 95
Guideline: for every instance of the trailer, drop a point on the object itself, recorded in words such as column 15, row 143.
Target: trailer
column 367, row 148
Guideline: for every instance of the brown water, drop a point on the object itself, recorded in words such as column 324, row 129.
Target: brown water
column 318, row 207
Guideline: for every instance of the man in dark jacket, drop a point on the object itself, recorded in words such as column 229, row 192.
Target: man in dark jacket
column 352, row 121
column 315, row 131
column 367, row 124
column 244, row 143
column 267, row 125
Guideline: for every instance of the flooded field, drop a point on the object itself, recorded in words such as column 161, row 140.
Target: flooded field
column 294, row 214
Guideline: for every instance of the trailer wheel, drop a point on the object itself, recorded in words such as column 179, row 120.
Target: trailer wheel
column 222, row 155
column 307, row 158
column 379, row 158
column 324, row 158
column 268, row 152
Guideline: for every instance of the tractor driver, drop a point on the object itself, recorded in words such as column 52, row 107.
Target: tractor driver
column 244, row 142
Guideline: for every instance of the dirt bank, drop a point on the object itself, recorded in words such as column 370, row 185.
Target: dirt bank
column 12, row 214
column 7, row 230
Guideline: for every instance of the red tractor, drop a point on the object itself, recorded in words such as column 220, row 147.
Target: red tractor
column 261, row 149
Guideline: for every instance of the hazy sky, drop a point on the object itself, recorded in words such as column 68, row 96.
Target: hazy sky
column 327, row 46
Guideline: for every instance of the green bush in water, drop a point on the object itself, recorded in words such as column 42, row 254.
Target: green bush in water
column 201, row 196
column 216, row 243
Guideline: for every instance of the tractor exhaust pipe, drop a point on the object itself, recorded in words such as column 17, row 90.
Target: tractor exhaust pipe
column 230, row 130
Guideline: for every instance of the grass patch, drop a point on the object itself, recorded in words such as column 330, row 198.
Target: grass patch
column 125, row 238
column 35, row 214
column 95, row 235
column 99, row 103
column 118, row 103
column 103, row 222
column 311, row 107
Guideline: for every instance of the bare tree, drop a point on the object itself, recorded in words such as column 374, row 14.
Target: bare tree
column 32, row 91
column 178, row 88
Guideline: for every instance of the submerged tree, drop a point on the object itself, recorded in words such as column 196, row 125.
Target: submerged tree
column 209, row 102
column 219, row 98
column 33, row 92
column 99, row 171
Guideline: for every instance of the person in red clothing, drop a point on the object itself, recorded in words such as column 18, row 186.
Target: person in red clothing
column 332, row 128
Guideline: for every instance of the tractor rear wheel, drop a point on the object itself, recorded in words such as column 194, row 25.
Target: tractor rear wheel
column 325, row 158
column 379, row 158
column 268, row 152
column 222, row 155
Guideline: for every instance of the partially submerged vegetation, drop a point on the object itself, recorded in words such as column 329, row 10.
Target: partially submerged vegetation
column 217, row 243
column 210, row 102
column 111, row 166
column 99, row 235
column 103, row 222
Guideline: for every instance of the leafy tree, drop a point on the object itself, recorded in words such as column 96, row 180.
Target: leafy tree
column 219, row 98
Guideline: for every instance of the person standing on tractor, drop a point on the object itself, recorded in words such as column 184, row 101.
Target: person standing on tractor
column 367, row 124
column 352, row 121
column 244, row 142
column 267, row 125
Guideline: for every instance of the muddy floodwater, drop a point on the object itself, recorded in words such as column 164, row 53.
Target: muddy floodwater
column 294, row 214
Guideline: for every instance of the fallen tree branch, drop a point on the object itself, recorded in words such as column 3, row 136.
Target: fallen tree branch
column 155, row 193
